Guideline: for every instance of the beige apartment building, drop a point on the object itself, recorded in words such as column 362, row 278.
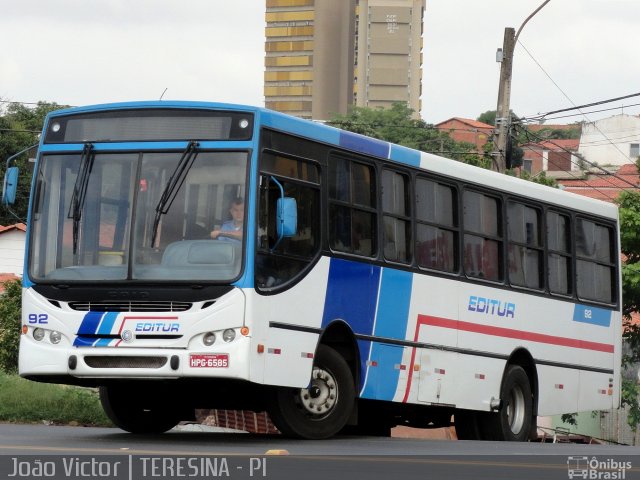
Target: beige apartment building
column 322, row 56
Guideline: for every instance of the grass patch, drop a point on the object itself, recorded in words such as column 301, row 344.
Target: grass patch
column 24, row 401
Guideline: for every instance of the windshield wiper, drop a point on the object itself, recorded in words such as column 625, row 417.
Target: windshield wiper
column 174, row 184
column 80, row 191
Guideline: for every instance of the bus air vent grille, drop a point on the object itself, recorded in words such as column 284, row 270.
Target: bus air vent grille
column 107, row 361
column 131, row 306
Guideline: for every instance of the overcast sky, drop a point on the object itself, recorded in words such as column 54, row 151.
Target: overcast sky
column 81, row 52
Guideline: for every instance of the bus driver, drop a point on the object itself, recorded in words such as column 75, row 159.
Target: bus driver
column 231, row 230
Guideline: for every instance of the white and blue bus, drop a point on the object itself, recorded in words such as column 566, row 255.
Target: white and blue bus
column 358, row 285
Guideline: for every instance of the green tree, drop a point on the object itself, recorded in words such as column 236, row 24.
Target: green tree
column 19, row 128
column 397, row 125
column 488, row 117
column 629, row 202
column 10, row 325
column 540, row 178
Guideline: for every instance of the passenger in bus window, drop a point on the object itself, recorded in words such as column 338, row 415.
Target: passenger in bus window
column 231, row 230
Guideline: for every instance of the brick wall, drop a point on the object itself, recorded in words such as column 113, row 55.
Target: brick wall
column 246, row 420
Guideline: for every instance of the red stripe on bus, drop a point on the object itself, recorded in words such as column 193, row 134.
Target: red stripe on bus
column 412, row 363
column 517, row 334
column 498, row 332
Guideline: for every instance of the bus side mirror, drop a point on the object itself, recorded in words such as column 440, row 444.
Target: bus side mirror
column 287, row 216
column 10, row 186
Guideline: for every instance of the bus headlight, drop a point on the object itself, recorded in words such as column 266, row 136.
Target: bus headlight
column 55, row 337
column 229, row 335
column 209, row 339
column 38, row 334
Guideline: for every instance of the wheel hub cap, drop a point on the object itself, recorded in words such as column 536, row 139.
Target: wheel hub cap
column 515, row 410
column 321, row 396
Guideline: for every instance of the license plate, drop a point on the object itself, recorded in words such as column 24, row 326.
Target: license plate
column 209, row 360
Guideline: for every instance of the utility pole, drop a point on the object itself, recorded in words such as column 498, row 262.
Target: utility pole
column 503, row 110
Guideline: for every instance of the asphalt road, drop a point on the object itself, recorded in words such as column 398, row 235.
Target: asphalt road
column 71, row 452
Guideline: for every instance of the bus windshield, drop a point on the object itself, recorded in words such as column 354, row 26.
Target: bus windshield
column 106, row 216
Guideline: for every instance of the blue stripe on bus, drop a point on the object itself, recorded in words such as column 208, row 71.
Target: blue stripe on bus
column 351, row 294
column 362, row 144
column 592, row 315
column 90, row 323
column 103, row 342
column 352, row 290
column 391, row 322
column 405, row 155
column 83, row 342
column 393, row 305
column 107, row 323
column 300, row 127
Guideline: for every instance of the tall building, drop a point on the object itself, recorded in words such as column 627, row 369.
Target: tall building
column 309, row 57
column 322, row 56
column 388, row 43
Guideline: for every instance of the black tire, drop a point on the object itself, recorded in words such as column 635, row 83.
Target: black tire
column 138, row 410
column 512, row 423
column 321, row 410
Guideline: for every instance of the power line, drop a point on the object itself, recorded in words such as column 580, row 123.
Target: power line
column 577, row 107
column 544, row 117
column 574, row 176
column 618, row 141
column 545, row 72
column 586, row 105
column 593, row 165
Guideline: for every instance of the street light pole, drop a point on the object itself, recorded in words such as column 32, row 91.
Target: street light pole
column 503, row 110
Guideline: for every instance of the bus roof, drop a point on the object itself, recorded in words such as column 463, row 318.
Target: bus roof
column 318, row 131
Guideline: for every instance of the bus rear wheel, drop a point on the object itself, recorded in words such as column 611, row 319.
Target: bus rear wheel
column 139, row 410
column 322, row 408
column 512, row 422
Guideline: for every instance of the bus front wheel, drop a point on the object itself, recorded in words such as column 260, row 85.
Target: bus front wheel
column 322, row 408
column 138, row 410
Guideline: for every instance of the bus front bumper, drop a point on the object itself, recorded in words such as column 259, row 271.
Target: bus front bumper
column 40, row 359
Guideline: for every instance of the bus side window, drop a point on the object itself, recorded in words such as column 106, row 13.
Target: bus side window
column 483, row 241
column 352, row 207
column 595, row 264
column 279, row 262
column 397, row 217
column 559, row 257
column 525, row 257
column 437, row 226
